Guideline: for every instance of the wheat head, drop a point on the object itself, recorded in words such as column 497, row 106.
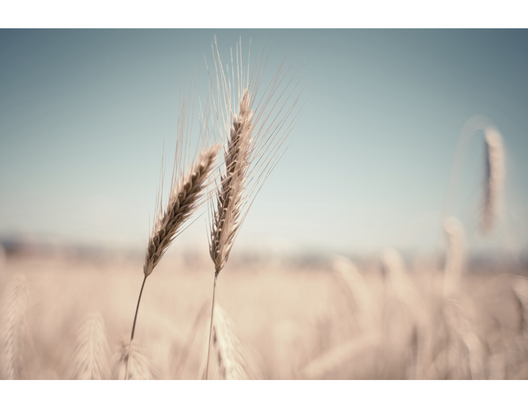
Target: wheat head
column 494, row 178
column 131, row 363
column 186, row 195
column 92, row 354
column 253, row 127
column 233, row 359
column 230, row 198
column 14, row 328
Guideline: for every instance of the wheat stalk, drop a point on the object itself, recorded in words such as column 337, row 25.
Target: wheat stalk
column 13, row 331
column 91, row 356
column 3, row 258
column 455, row 254
column 356, row 288
column 407, row 317
column 185, row 352
column 520, row 290
column 253, row 138
column 233, row 359
column 399, row 282
column 494, row 178
column 341, row 355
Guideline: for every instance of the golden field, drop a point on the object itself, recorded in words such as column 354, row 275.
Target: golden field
column 293, row 321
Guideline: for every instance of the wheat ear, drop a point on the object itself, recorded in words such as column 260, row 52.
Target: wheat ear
column 494, row 178
column 186, row 195
column 14, row 315
column 230, row 192
column 132, row 363
column 91, row 356
column 233, row 359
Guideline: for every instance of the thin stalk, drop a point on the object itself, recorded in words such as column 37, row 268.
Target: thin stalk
column 134, row 325
column 210, row 328
column 180, row 365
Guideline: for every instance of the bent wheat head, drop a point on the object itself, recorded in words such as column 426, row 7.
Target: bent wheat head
column 494, row 178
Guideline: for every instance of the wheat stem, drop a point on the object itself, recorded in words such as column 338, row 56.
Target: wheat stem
column 134, row 324
column 210, row 328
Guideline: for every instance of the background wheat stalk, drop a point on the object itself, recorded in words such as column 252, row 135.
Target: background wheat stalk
column 14, row 326
column 520, row 290
column 131, row 363
column 455, row 254
column 250, row 151
column 92, row 353
column 233, row 359
column 358, row 294
column 494, row 178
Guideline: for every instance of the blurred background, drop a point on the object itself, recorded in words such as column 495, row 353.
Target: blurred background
column 389, row 141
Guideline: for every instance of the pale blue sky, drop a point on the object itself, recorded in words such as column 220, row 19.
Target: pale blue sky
column 84, row 116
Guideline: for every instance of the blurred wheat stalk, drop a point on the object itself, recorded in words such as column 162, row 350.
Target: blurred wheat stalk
column 494, row 178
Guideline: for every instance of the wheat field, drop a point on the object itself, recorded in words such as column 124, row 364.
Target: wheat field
column 66, row 318
column 68, row 315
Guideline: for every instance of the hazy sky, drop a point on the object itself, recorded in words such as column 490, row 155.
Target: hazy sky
column 85, row 116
